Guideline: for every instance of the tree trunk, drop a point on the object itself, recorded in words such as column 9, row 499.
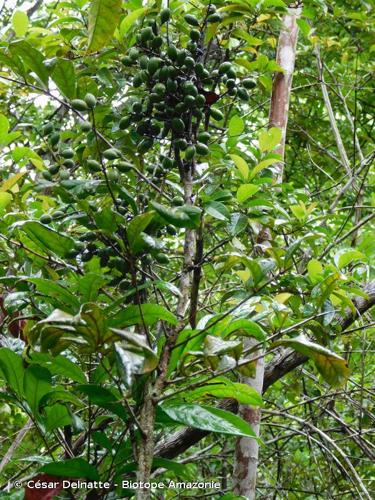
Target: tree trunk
column 247, row 449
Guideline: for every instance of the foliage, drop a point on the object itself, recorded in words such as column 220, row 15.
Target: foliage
column 142, row 236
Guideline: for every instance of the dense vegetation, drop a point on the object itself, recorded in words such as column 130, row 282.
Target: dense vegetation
column 156, row 243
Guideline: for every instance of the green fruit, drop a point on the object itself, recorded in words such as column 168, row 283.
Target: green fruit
column 46, row 175
column 172, row 52
column 216, row 114
column 145, row 144
column 159, row 88
column 133, row 53
column 248, row 83
column 137, row 107
column 189, row 62
column 156, row 97
column 94, row 166
column 125, row 285
column 155, row 128
column 214, row 18
column 243, row 94
column 137, row 80
column 54, row 138
column 190, row 153
column 202, row 149
column 111, row 154
column 231, row 73
column 127, row 61
column 224, row 67
column 200, row 100
column 179, row 108
column 147, row 34
column 112, row 175
column 198, row 114
column 163, row 73
column 232, row 92
column 45, row 219
column 85, row 126
column 89, row 236
column 54, row 169
column 190, row 89
column 143, row 62
column 171, row 85
column 199, row 69
column 165, row 16
column 58, row 214
column 153, row 65
column 204, row 137
column 181, row 56
column 157, row 42
column 86, row 256
column 47, row 129
column 189, row 100
column 192, row 47
column 64, row 174
column 69, row 163
column 192, row 20
column 79, row 105
column 162, row 258
column 90, row 100
column 67, row 153
column 230, row 83
column 177, row 201
column 124, row 123
column 195, row 35
column 79, row 245
column 124, row 166
column 178, row 125
column 181, row 144
column 171, row 230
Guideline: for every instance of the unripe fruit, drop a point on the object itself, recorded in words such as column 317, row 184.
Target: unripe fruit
column 171, row 85
column 127, row 61
column 171, row 230
column 159, row 88
column 143, row 62
column 157, row 42
column 145, row 144
column 137, row 107
column 133, row 53
column 181, row 144
column 47, row 129
column 90, row 100
column 165, row 16
column 85, row 126
column 214, row 18
column 202, row 149
column 137, row 80
column 111, row 154
column 64, row 174
column 178, row 125
column 190, row 153
column 231, row 73
column 124, row 166
column 181, row 56
column 204, row 137
column 224, row 67
column 243, row 94
column 190, row 88
column 46, row 175
column 230, row 83
column 248, row 83
column 192, row 47
column 124, row 123
column 195, row 35
column 172, row 52
column 58, row 214
column 200, row 100
column 177, row 201
column 88, row 236
column 189, row 62
column 147, row 34
column 54, row 169
column 69, row 163
column 216, row 114
column 86, row 256
column 189, row 100
column 153, row 64
column 45, row 219
column 67, row 153
column 112, row 175
column 167, row 163
column 162, row 258
column 54, row 138
column 94, row 166
column 192, row 20
column 79, row 105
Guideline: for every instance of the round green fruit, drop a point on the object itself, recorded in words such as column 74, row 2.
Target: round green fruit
column 204, row 137
column 153, row 65
column 124, row 166
column 167, row 163
column 200, row 100
column 137, row 107
column 67, row 153
column 157, row 42
column 69, row 163
column 85, row 126
column 47, row 129
column 133, row 53
column 90, row 100
column 230, row 83
column 86, row 256
column 171, row 85
column 189, row 100
column 192, row 20
column 79, row 105
column 64, row 174
column 172, row 52
column 178, row 125
column 190, row 153
column 45, row 219
column 249, row 84
column 112, row 175
column 124, row 123
column 58, row 214
column 145, row 144
column 162, row 258
column 93, row 165
column 195, row 35
column 159, row 88
column 224, row 67
column 47, row 175
column 54, row 138
column 177, row 201
column 127, row 61
column 143, row 62
column 171, row 230
column 147, row 34
column 202, row 149
column 181, row 144
column 165, row 15
column 243, row 94
column 190, row 89
column 216, row 114
column 189, row 62
column 137, row 80
column 111, row 154
column 214, row 18
column 54, row 169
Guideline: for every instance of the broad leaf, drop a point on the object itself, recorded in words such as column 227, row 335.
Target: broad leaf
column 20, row 23
column 63, row 75
column 104, row 16
column 147, row 314
column 11, row 366
column 186, row 216
column 269, row 139
column 74, row 467
column 36, row 383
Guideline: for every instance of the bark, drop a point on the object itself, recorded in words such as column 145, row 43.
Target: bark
column 247, row 449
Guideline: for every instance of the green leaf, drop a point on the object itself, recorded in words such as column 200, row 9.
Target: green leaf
column 138, row 225
column 269, row 139
column 217, row 210
column 12, row 368
column 243, row 393
column 36, row 383
column 89, row 286
column 11, row 181
column 244, row 327
column 59, row 365
column 4, row 128
column 241, row 165
column 314, row 270
column 20, row 23
column 74, row 467
column 47, row 238
column 246, row 191
column 32, row 58
column 5, row 199
column 332, row 367
column 57, row 416
column 238, row 223
column 130, row 19
column 262, row 165
column 236, row 126
column 208, row 419
column 187, row 216
column 104, row 16
column 134, row 355
column 345, row 256
column 50, row 288
column 147, row 314
column 64, row 76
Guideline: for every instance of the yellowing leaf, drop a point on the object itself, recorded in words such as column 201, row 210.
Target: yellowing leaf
column 20, row 23
column 281, row 298
column 241, row 165
column 9, row 183
column 244, row 275
column 130, row 19
column 269, row 139
column 5, row 199
column 246, row 191
column 236, row 126
column 314, row 269
column 261, row 165
column 104, row 16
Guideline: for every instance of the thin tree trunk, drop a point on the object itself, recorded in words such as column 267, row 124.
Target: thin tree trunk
column 247, row 449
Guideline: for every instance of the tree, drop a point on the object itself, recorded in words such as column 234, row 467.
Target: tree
column 154, row 256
